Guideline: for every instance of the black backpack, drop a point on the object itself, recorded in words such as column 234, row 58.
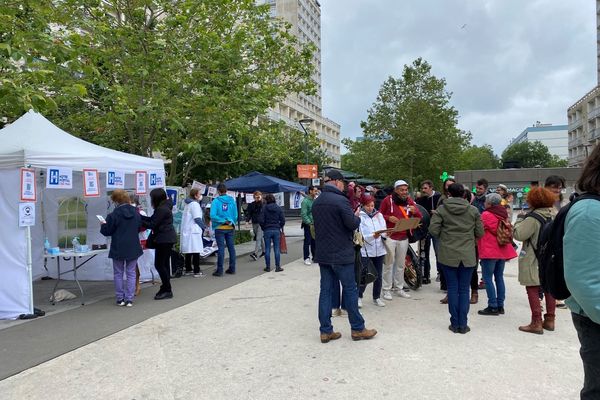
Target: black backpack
column 549, row 250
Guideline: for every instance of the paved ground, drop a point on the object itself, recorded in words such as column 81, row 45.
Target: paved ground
column 259, row 339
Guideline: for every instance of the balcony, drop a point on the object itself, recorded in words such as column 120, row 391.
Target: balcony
column 575, row 142
column 576, row 160
column 575, row 124
column 594, row 113
column 594, row 134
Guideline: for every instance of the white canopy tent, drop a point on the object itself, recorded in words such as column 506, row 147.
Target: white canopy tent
column 34, row 142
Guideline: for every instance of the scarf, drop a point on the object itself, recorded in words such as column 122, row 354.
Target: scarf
column 398, row 200
column 499, row 211
column 371, row 214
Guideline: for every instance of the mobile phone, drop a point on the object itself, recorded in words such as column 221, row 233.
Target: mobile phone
column 101, row 218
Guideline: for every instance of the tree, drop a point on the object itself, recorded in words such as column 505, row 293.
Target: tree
column 411, row 130
column 532, row 155
column 478, row 157
column 189, row 78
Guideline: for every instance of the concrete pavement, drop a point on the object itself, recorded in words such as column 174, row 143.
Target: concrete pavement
column 259, row 339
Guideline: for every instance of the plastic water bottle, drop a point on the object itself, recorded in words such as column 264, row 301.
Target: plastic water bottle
column 46, row 246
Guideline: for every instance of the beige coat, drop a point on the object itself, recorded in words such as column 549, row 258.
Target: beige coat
column 527, row 230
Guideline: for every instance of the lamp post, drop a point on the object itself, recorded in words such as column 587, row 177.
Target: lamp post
column 302, row 122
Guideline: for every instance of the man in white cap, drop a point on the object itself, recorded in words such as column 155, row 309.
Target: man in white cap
column 394, row 207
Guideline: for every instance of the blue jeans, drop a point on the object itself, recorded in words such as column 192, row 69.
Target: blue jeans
column 309, row 243
column 494, row 268
column 225, row 236
column 268, row 236
column 345, row 274
column 458, row 280
column 378, row 263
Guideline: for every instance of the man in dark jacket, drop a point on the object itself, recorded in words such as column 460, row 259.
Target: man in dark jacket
column 335, row 224
column 481, row 190
column 429, row 201
column 252, row 214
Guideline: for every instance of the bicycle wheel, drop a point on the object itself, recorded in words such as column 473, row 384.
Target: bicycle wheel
column 413, row 270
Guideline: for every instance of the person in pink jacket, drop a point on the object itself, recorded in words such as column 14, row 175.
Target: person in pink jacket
column 492, row 255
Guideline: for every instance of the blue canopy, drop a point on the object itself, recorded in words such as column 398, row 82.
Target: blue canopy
column 265, row 183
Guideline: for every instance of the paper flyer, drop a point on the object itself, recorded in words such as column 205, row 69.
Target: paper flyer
column 140, row 182
column 59, row 178
column 90, row 183
column 28, row 185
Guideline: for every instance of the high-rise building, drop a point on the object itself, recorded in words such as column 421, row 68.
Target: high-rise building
column 552, row 136
column 305, row 18
column 584, row 115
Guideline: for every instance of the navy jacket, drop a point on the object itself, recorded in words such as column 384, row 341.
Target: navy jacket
column 161, row 223
column 123, row 225
column 271, row 217
column 335, row 224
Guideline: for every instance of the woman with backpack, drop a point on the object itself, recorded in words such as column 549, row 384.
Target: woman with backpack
column 527, row 229
column 495, row 248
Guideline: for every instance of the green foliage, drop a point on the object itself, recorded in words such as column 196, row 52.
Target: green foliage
column 532, row 155
column 242, row 236
column 411, row 130
column 478, row 157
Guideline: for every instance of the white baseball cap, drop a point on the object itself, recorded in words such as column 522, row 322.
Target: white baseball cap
column 400, row 182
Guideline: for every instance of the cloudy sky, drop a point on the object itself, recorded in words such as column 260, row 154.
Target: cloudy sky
column 508, row 63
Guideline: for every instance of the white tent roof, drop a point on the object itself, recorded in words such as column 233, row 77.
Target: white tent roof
column 34, row 141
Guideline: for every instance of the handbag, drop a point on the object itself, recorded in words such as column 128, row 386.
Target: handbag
column 150, row 241
column 368, row 272
column 282, row 243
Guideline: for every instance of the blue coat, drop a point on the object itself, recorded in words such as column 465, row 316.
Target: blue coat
column 271, row 217
column 223, row 209
column 123, row 225
column 335, row 224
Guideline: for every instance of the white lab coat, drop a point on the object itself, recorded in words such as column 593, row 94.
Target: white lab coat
column 191, row 233
column 373, row 247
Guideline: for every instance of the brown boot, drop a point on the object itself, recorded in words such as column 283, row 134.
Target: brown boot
column 364, row 334
column 474, row 297
column 326, row 337
column 533, row 327
column 548, row 322
column 444, row 300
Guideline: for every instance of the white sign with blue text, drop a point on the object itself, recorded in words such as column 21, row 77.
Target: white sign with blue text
column 59, row 178
column 156, row 179
column 115, row 179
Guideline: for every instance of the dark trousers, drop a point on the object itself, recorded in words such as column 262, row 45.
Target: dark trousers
column 162, row 263
column 309, row 242
column 589, row 337
column 426, row 247
column 192, row 259
column 378, row 263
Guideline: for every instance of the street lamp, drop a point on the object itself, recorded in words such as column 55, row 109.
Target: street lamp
column 302, row 122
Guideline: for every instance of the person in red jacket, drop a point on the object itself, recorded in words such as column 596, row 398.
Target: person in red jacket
column 394, row 207
column 492, row 255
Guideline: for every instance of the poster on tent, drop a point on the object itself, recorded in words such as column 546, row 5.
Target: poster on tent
column 249, row 198
column 279, row 199
column 140, row 182
column 232, row 194
column 212, row 191
column 90, row 183
column 295, row 201
column 59, row 178
column 200, row 186
column 156, row 179
column 28, row 185
column 115, row 179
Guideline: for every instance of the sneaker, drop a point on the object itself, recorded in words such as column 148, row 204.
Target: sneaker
column 359, row 302
column 278, row 269
column 199, row 275
column 121, row 303
column 188, row 272
column 387, row 295
column 365, row 334
column 561, row 304
column 307, row 261
column 128, row 303
column 253, row 256
column 402, row 293
column 261, row 254
column 379, row 303
column 326, row 337
column 336, row 312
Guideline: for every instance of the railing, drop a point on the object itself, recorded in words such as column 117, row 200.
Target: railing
column 575, row 142
column 594, row 134
column 594, row 113
column 575, row 124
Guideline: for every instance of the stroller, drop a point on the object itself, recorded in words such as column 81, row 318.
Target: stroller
column 415, row 261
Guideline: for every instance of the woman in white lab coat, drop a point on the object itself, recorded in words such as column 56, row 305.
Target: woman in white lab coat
column 192, row 227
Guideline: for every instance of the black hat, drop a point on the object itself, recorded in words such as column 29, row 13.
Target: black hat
column 334, row 175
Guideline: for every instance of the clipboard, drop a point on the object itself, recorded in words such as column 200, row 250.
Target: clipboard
column 404, row 224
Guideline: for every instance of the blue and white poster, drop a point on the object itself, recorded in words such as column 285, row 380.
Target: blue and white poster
column 296, row 200
column 140, row 182
column 156, row 179
column 59, row 178
column 115, row 179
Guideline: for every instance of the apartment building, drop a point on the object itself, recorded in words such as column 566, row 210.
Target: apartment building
column 305, row 18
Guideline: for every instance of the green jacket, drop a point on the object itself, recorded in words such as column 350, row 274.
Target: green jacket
column 527, row 230
column 457, row 225
column 306, row 210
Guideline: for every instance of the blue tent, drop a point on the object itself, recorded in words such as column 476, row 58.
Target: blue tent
column 265, row 183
